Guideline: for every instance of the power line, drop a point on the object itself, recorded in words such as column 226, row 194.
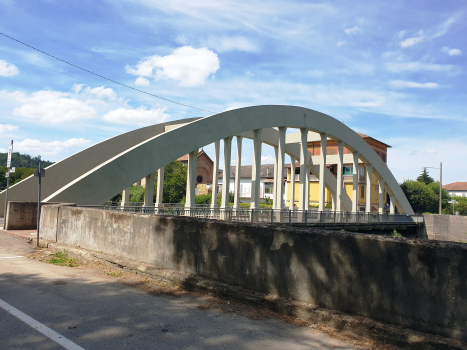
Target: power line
column 101, row 76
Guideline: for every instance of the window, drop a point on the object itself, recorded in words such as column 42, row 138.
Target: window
column 268, row 187
column 362, row 191
column 376, row 193
column 331, row 151
column 383, row 157
column 362, row 173
column 347, row 170
column 199, row 179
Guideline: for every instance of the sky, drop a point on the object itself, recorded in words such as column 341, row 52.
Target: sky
column 394, row 70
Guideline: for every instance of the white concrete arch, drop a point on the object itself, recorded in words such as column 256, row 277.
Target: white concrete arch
column 143, row 156
column 63, row 172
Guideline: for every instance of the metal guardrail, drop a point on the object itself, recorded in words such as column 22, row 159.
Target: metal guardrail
column 274, row 216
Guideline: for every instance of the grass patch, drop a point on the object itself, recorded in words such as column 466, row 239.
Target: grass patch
column 61, row 258
column 114, row 274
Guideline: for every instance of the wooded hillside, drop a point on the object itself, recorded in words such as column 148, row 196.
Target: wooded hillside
column 23, row 160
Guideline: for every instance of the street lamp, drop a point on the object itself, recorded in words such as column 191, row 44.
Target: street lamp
column 440, row 184
column 453, row 202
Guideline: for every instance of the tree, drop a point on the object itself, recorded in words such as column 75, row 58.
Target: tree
column 174, row 183
column 137, row 194
column 2, row 178
column 461, row 206
column 219, row 198
column 421, row 196
column 17, row 176
column 23, row 160
column 444, row 193
column 425, row 178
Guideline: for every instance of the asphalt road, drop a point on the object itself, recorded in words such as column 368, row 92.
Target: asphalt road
column 83, row 308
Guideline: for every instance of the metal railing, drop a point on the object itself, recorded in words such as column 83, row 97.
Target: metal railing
column 294, row 217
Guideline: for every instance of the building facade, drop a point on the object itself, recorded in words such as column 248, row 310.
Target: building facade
column 204, row 172
column 348, row 172
column 458, row 189
column 266, row 182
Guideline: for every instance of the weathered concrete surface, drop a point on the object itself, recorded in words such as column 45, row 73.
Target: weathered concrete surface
column 95, row 311
column 417, row 284
column 361, row 326
column 21, row 216
column 445, row 227
column 49, row 220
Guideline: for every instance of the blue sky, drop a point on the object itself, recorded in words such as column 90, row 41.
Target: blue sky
column 393, row 70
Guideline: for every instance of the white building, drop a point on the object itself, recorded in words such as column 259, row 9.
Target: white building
column 266, row 182
column 458, row 189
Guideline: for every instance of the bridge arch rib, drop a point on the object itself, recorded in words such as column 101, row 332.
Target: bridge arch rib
column 118, row 172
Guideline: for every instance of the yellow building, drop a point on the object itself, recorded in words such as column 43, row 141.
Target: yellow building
column 331, row 149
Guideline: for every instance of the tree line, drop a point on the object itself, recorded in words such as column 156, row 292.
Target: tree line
column 24, row 164
column 423, row 196
column 23, row 161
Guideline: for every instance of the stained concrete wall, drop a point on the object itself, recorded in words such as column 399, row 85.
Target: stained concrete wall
column 417, row 284
column 445, row 227
column 21, row 216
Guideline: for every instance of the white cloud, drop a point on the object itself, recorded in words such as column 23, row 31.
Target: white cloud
column 411, row 41
column 410, row 154
column 353, row 30
column 451, row 52
column 7, row 128
column 189, row 66
column 181, row 39
column 411, row 84
column 224, row 44
column 250, row 74
column 443, row 28
column 418, row 66
column 140, row 81
column 54, row 107
column 77, row 87
column 8, row 69
column 138, row 116
column 48, row 148
column 340, row 43
column 267, row 160
column 102, row 92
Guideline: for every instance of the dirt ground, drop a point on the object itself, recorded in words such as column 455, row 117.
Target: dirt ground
column 232, row 307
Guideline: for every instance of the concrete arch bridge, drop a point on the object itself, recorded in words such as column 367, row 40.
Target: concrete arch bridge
column 96, row 174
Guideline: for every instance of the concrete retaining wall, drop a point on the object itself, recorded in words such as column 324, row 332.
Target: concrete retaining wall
column 21, row 216
column 445, row 227
column 417, row 284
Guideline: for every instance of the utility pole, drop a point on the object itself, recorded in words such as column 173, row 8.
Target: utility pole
column 440, row 184
column 40, row 173
column 440, row 187
column 8, row 165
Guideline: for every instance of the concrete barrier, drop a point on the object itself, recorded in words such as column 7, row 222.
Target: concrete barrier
column 416, row 284
column 21, row 216
column 445, row 227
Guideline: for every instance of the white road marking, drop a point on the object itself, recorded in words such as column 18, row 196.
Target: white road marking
column 67, row 344
column 11, row 257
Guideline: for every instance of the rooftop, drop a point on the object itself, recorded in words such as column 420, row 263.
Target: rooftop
column 456, row 186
